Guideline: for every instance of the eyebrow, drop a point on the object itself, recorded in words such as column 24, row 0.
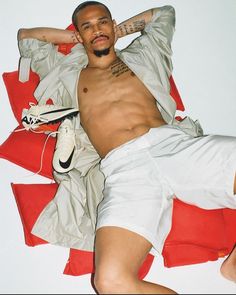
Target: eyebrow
column 101, row 18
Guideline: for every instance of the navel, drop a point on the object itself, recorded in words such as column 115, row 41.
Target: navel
column 85, row 90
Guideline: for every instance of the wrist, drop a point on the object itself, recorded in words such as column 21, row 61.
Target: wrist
column 75, row 38
column 121, row 31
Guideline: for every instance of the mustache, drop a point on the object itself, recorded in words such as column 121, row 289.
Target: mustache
column 102, row 35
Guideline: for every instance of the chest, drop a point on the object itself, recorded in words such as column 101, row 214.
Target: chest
column 114, row 83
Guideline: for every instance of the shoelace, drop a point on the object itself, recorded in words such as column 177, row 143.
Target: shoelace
column 35, row 118
column 32, row 104
column 44, row 147
column 30, row 128
column 65, row 141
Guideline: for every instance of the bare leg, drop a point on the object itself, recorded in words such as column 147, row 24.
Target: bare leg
column 119, row 254
column 228, row 267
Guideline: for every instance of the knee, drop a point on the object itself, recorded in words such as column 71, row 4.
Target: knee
column 112, row 282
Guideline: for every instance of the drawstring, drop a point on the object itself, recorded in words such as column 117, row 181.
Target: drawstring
column 42, row 154
column 44, row 147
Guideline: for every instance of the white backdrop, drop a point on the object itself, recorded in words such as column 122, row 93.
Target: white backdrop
column 204, row 58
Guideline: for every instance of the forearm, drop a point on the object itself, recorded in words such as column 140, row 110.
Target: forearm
column 51, row 35
column 134, row 24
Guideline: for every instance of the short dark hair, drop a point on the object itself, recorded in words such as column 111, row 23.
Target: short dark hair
column 82, row 6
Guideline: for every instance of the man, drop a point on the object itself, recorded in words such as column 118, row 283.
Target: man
column 125, row 126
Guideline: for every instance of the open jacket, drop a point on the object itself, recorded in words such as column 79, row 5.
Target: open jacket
column 70, row 218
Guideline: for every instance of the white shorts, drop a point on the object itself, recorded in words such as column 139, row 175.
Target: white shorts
column 143, row 176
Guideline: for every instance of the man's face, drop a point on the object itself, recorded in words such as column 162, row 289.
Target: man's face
column 96, row 28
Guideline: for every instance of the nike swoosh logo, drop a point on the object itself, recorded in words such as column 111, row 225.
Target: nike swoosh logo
column 66, row 164
column 25, row 119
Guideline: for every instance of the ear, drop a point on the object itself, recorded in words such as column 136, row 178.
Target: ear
column 114, row 25
column 78, row 37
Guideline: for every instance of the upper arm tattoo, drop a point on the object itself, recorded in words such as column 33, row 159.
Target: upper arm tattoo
column 139, row 25
column 129, row 28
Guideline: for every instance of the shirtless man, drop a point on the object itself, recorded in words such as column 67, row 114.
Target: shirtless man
column 115, row 108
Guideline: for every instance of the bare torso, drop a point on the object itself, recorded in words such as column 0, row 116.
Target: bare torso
column 115, row 106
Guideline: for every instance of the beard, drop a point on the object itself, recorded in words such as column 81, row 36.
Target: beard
column 103, row 52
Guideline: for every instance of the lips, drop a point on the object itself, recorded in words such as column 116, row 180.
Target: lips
column 99, row 39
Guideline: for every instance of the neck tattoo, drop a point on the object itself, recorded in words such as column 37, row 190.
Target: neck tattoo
column 118, row 68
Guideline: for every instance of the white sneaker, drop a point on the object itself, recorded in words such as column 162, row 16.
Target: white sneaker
column 37, row 115
column 63, row 159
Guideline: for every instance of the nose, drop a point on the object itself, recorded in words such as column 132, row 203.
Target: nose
column 96, row 30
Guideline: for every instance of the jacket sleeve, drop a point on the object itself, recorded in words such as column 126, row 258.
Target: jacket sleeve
column 158, row 34
column 38, row 56
column 162, row 25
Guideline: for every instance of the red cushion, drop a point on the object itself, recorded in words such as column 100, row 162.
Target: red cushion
column 197, row 235
column 20, row 94
column 175, row 94
column 25, row 148
column 31, row 200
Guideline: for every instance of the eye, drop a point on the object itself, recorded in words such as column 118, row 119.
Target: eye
column 86, row 27
column 103, row 22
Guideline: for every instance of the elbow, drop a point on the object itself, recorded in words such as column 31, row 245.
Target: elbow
column 21, row 34
column 166, row 10
column 172, row 14
column 171, row 11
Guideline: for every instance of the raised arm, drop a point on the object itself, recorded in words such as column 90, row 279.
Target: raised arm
column 161, row 18
column 135, row 24
column 51, row 35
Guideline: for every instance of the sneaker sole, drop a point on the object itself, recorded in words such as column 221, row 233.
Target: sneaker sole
column 70, row 116
column 58, row 120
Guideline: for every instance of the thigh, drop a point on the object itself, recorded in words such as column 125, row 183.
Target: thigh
column 119, row 250
column 202, row 172
column 136, row 199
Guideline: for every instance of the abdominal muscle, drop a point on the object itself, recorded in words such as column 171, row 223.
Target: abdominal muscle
column 116, row 123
